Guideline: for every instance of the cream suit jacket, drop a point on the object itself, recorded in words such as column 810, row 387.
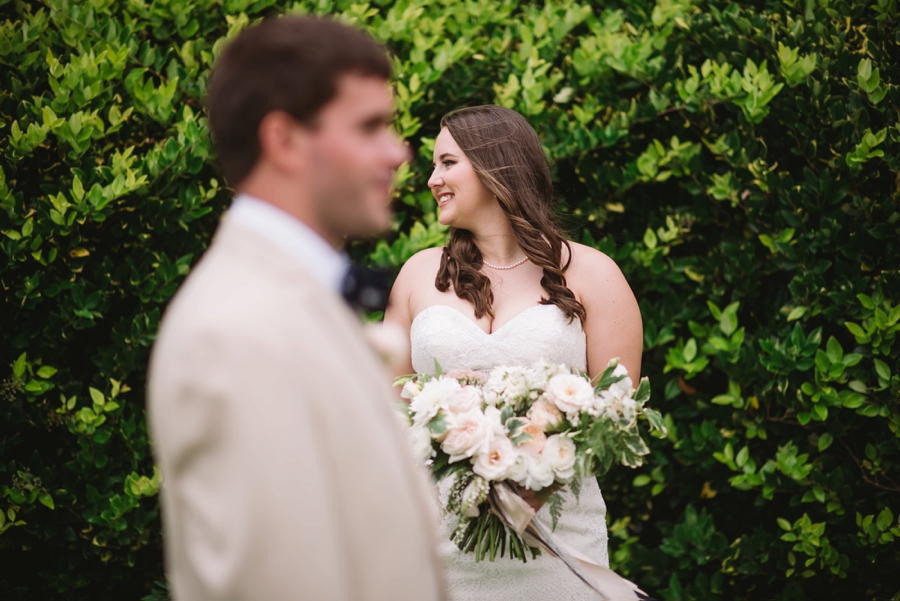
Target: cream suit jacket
column 285, row 473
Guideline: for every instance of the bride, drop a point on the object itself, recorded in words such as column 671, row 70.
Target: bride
column 509, row 289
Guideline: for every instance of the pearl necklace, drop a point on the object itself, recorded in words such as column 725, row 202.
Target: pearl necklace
column 516, row 264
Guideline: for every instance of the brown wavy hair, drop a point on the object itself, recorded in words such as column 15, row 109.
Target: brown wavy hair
column 506, row 154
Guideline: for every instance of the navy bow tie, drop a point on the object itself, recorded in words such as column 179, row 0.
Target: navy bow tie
column 366, row 288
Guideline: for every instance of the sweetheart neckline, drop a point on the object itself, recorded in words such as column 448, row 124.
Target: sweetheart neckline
column 475, row 325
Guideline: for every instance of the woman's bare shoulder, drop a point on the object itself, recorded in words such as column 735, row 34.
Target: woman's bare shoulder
column 590, row 261
column 422, row 265
column 594, row 274
column 427, row 260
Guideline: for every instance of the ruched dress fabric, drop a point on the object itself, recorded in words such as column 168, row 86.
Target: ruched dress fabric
column 445, row 334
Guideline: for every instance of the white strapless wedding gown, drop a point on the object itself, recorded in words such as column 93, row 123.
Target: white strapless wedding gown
column 541, row 332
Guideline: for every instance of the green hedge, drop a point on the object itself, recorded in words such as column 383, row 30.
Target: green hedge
column 739, row 161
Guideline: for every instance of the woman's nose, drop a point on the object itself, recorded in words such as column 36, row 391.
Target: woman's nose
column 435, row 181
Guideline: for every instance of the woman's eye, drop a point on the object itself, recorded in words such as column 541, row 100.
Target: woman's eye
column 449, row 163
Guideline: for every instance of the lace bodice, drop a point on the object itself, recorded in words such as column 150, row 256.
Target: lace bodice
column 542, row 332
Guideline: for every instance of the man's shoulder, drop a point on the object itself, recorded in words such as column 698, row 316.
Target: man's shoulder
column 228, row 292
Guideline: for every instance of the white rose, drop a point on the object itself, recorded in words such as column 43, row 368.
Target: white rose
column 491, row 398
column 625, row 385
column 494, row 463
column 569, row 392
column 607, row 405
column 542, row 372
column 466, row 399
column 559, row 451
column 615, row 403
column 468, row 434
column 410, row 389
column 509, row 384
column 493, row 416
column 628, row 408
column 540, row 474
column 544, row 414
column 420, row 443
column 518, row 473
column 434, row 396
column 403, row 419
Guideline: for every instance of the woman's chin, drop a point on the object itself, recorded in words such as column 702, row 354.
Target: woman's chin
column 445, row 217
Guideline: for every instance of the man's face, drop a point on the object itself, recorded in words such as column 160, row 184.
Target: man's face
column 353, row 154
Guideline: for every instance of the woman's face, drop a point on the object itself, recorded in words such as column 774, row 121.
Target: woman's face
column 460, row 194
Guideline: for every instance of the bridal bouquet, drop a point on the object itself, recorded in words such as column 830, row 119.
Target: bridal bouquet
column 540, row 427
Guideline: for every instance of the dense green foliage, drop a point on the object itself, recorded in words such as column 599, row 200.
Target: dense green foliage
column 740, row 162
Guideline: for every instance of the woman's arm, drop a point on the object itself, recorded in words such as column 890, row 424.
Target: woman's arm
column 397, row 314
column 416, row 277
column 613, row 326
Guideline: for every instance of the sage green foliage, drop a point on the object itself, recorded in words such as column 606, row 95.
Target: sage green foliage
column 739, row 162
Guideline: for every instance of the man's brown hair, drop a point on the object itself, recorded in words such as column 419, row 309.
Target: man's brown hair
column 289, row 64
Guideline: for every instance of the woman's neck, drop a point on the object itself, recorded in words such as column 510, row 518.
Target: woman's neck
column 498, row 244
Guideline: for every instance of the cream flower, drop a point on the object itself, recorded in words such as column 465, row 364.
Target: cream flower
column 435, row 395
column 468, row 434
column 536, row 444
column 559, row 451
column 494, row 463
column 540, row 474
column 542, row 372
column 518, row 473
column 508, row 385
column 544, row 414
column 420, row 443
column 465, row 399
column 493, row 416
column 410, row 389
column 570, row 393
column 625, row 386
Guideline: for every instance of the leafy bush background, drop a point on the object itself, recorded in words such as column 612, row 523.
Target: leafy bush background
column 740, row 162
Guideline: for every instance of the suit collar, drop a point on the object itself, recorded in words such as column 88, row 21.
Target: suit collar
column 296, row 239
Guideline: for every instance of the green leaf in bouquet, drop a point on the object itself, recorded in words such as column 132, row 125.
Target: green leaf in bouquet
column 521, row 438
column 439, row 466
column 400, row 381
column 656, row 421
column 606, row 373
column 636, row 448
column 438, row 424
column 555, row 503
column 575, row 487
column 438, row 372
column 607, row 380
column 602, row 451
column 505, row 414
column 642, row 394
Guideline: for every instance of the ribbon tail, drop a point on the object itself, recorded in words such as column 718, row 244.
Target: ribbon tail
column 517, row 514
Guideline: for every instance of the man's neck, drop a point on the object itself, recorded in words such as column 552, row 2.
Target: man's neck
column 290, row 197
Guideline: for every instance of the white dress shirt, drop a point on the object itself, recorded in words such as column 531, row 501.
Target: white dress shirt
column 317, row 256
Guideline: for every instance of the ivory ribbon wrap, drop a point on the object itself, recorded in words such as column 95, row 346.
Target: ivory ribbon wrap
column 517, row 514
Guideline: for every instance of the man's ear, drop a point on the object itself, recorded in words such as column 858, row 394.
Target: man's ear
column 283, row 142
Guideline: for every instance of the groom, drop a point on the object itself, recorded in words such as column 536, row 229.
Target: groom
column 285, row 474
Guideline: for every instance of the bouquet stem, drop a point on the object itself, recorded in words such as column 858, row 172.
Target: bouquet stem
column 490, row 538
